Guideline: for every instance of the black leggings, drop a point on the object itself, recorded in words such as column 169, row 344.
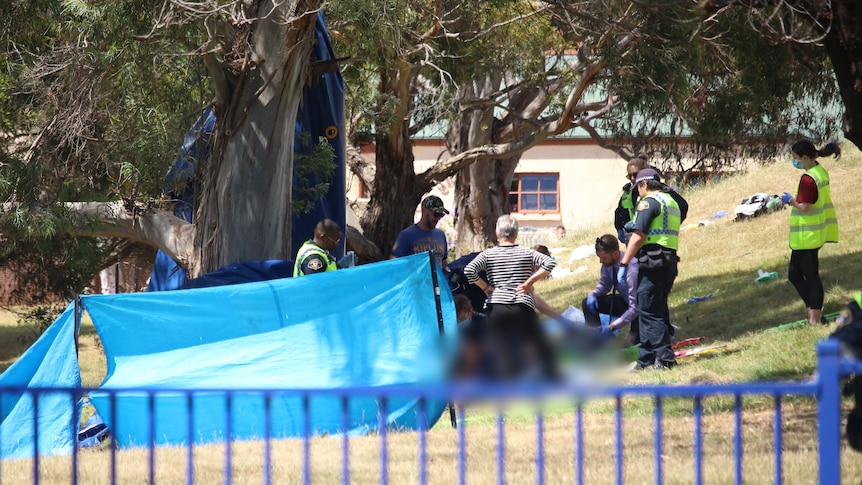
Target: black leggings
column 804, row 273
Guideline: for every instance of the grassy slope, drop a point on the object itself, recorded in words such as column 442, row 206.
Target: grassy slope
column 722, row 259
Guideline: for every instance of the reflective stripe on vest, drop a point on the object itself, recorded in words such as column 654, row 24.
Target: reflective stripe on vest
column 812, row 229
column 308, row 249
column 664, row 229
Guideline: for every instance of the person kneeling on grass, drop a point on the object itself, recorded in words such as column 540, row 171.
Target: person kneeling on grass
column 609, row 297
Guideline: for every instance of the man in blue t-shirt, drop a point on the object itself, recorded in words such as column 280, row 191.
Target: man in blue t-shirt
column 424, row 235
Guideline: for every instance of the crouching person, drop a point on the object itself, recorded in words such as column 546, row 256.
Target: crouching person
column 609, row 297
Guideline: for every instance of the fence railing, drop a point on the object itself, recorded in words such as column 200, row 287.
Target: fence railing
column 824, row 388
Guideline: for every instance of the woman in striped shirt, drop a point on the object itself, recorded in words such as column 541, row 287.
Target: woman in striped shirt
column 511, row 310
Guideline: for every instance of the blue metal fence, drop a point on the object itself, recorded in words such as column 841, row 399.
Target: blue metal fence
column 825, row 388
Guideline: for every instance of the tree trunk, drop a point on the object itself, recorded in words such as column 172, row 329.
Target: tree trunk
column 396, row 190
column 244, row 213
column 482, row 196
column 843, row 43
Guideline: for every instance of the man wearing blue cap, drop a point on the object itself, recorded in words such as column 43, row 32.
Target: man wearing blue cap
column 654, row 242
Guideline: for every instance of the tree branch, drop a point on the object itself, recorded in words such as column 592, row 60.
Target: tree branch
column 117, row 219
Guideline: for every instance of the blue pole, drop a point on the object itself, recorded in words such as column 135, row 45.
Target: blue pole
column 829, row 411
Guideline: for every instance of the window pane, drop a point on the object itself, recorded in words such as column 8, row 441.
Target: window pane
column 529, row 183
column 513, row 201
column 548, row 202
column 514, row 186
column 548, row 183
column 529, row 202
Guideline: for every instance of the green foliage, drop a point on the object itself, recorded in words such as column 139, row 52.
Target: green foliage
column 101, row 110
column 719, row 85
column 318, row 163
column 38, row 318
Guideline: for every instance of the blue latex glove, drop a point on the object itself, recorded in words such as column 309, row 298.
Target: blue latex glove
column 592, row 304
column 349, row 260
column 786, row 198
column 621, row 274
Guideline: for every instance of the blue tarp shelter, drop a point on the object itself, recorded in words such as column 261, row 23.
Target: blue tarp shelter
column 371, row 326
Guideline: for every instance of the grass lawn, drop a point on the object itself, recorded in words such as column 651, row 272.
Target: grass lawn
column 720, row 258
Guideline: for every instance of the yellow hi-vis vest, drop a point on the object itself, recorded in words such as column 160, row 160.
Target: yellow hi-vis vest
column 308, row 249
column 818, row 226
column 664, row 229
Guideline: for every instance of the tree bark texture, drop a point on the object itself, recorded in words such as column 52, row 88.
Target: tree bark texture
column 244, row 213
column 843, row 44
column 396, row 189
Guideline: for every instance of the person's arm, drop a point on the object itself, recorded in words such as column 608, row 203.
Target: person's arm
column 543, row 307
column 545, row 263
column 636, row 240
column 806, row 194
column 313, row 264
column 527, row 286
column 471, row 271
column 631, row 297
column 606, row 281
column 681, row 203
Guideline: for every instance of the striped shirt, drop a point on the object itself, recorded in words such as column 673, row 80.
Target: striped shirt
column 506, row 268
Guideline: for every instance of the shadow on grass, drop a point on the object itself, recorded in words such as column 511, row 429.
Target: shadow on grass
column 740, row 306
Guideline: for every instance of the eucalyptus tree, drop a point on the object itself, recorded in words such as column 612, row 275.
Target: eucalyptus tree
column 103, row 91
column 499, row 77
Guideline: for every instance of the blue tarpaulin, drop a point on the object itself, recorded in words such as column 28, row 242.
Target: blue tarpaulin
column 50, row 362
column 370, row 326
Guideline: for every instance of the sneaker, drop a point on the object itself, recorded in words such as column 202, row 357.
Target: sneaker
column 664, row 365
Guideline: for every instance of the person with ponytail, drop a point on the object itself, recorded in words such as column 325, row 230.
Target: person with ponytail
column 813, row 223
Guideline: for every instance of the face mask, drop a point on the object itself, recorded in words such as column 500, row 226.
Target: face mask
column 796, row 164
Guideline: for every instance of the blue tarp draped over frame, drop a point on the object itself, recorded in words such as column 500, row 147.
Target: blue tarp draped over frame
column 371, row 326
column 50, row 362
column 374, row 325
column 321, row 115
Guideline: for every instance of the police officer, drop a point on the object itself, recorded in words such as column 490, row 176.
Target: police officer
column 313, row 256
column 654, row 241
column 625, row 211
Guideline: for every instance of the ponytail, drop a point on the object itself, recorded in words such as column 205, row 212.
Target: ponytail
column 806, row 148
column 831, row 148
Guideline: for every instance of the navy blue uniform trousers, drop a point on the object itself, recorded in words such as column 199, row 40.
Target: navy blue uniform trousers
column 654, row 317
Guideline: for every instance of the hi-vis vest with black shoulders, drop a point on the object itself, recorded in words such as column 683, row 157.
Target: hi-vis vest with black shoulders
column 664, row 229
column 308, row 249
column 818, row 226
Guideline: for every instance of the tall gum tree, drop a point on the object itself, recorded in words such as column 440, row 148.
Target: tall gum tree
column 257, row 58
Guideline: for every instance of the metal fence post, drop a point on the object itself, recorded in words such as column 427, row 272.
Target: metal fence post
column 829, row 411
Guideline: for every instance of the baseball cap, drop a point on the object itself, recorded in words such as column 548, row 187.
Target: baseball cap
column 647, row 174
column 434, row 204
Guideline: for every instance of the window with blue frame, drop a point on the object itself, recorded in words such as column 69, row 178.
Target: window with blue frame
column 535, row 193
